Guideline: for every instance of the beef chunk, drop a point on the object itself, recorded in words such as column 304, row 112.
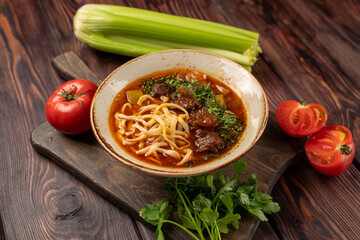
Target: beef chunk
column 202, row 118
column 187, row 103
column 162, row 89
column 185, row 92
column 208, row 141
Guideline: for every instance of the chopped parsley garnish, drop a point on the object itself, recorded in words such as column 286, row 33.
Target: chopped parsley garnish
column 174, row 82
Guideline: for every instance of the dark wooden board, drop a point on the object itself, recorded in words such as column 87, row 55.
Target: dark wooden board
column 130, row 190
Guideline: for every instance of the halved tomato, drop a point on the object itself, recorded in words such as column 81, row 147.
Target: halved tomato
column 300, row 119
column 331, row 150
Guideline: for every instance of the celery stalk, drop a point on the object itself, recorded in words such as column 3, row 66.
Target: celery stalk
column 107, row 23
column 179, row 21
column 134, row 46
column 127, row 48
column 237, row 57
column 134, row 32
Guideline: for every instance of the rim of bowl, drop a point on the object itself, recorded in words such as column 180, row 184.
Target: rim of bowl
column 181, row 172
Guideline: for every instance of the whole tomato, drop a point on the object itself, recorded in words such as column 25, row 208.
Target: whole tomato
column 68, row 108
column 300, row 119
column 331, row 150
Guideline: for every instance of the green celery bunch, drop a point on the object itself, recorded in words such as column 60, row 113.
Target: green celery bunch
column 207, row 204
column 134, row 32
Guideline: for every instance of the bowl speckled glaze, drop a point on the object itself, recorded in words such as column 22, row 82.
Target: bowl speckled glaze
column 231, row 73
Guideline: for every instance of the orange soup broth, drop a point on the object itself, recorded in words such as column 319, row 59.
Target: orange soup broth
column 232, row 101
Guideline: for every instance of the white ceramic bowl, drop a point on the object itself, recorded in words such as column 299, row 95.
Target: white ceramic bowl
column 231, row 73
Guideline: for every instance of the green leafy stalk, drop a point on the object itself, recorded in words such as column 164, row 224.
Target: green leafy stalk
column 182, row 197
column 183, row 228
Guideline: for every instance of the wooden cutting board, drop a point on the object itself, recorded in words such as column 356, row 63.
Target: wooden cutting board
column 129, row 189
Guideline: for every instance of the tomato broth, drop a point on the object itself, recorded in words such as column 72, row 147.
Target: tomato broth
column 229, row 101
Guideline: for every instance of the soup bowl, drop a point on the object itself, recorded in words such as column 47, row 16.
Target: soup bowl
column 225, row 70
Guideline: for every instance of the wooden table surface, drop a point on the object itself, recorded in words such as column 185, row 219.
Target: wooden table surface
column 311, row 51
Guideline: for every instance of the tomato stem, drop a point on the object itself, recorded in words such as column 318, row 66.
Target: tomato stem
column 303, row 103
column 70, row 96
column 345, row 149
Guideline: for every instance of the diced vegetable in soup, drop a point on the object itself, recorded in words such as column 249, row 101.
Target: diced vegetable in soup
column 177, row 119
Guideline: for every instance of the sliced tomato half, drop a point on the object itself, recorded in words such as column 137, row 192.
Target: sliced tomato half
column 300, row 119
column 331, row 150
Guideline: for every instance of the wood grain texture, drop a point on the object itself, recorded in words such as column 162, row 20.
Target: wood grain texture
column 343, row 15
column 265, row 232
column 303, row 44
column 314, row 196
column 70, row 66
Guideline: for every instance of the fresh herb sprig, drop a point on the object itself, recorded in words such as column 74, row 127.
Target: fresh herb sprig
column 208, row 203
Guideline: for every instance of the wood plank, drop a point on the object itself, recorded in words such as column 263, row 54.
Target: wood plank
column 318, row 207
column 344, row 15
column 265, row 232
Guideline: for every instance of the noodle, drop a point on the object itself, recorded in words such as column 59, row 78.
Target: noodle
column 155, row 128
column 125, row 106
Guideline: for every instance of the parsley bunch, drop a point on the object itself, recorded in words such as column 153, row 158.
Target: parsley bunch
column 208, row 203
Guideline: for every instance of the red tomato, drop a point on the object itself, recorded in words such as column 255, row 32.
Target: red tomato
column 300, row 119
column 68, row 108
column 330, row 150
